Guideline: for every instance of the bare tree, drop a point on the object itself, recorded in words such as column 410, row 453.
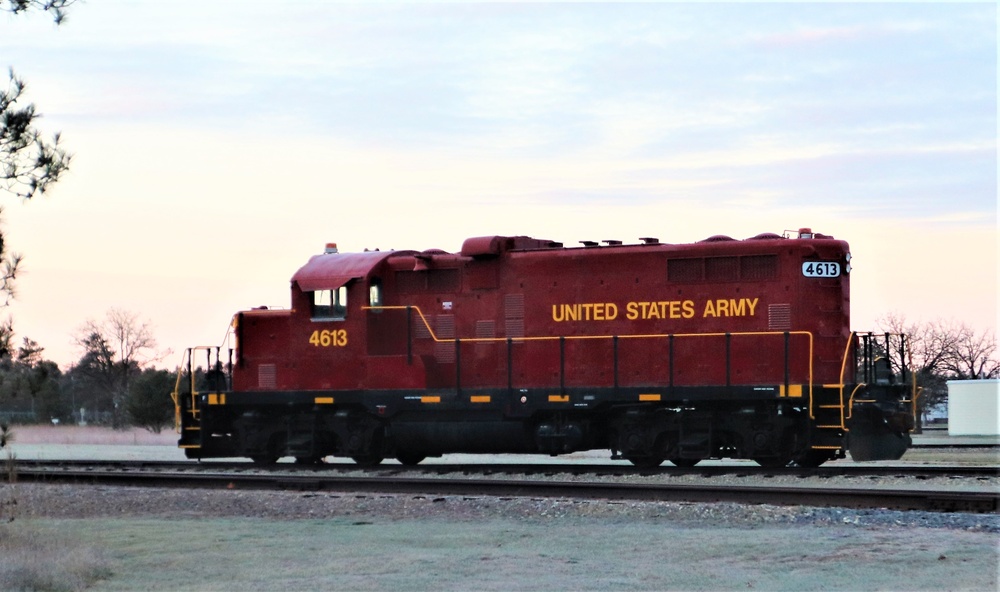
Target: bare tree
column 973, row 355
column 943, row 350
column 114, row 351
column 929, row 344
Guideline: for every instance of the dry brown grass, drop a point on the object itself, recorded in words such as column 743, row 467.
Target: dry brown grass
column 50, row 434
column 39, row 560
column 34, row 559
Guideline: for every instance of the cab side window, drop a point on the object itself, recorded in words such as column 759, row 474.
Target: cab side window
column 329, row 305
column 375, row 292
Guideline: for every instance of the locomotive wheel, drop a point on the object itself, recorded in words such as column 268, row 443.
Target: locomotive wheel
column 264, row 460
column 686, row 463
column 410, row 460
column 645, row 462
column 368, row 460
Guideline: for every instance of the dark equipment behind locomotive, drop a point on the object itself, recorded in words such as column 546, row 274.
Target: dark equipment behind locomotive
column 718, row 349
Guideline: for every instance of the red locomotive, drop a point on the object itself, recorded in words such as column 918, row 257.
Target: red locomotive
column 718, row 349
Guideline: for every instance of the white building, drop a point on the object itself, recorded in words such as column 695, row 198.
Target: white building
column 974, row 407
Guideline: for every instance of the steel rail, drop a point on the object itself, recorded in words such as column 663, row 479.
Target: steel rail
column 749, row 470
column 896, row 499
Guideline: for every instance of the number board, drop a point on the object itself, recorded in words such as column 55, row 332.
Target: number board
column 821, row 269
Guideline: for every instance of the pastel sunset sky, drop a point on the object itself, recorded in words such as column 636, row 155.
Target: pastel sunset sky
column 220, row 144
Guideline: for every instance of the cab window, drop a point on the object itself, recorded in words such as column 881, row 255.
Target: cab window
column 329, row 304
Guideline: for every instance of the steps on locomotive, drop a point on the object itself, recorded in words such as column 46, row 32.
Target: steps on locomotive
column 190, row 437
column 828, row 419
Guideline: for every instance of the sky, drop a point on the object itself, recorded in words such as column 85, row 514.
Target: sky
column 218, row 145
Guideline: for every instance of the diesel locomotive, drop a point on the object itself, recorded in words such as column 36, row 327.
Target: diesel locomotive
column 656, row 352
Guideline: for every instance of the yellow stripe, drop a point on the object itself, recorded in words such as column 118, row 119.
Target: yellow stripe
column 430, row 399
column 479, row 399
column 794, row 390
column 322, row 400
column 649, row 397
column 190, row 446
column 558, row 398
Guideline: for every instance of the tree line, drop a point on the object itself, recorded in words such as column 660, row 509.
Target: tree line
column 113, row 383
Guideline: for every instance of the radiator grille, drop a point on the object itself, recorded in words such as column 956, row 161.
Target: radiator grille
column 267, row 376
column 514, row 315
column 444, row 327
column 759, row 267
column 779, row 317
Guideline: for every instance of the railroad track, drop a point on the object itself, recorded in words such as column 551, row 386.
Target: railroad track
column 827, row 471
column 956, row 446
column 372, row 482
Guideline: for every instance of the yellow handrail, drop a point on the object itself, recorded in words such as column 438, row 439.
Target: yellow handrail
column 176, row 394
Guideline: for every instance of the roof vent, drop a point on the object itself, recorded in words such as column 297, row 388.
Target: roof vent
column 612, row 243
column 330, row 248
column 805, row 233
column 588, row 243
column 649, row 240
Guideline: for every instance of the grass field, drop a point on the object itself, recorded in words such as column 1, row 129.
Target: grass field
column 501, row 554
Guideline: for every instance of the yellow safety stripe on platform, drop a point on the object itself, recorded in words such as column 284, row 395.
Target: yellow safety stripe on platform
column 323, row 400
column 649, row 397
column 794, row 390
column 216, row 399
column 430, row 399
column 558, row 398
column 480, row 399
